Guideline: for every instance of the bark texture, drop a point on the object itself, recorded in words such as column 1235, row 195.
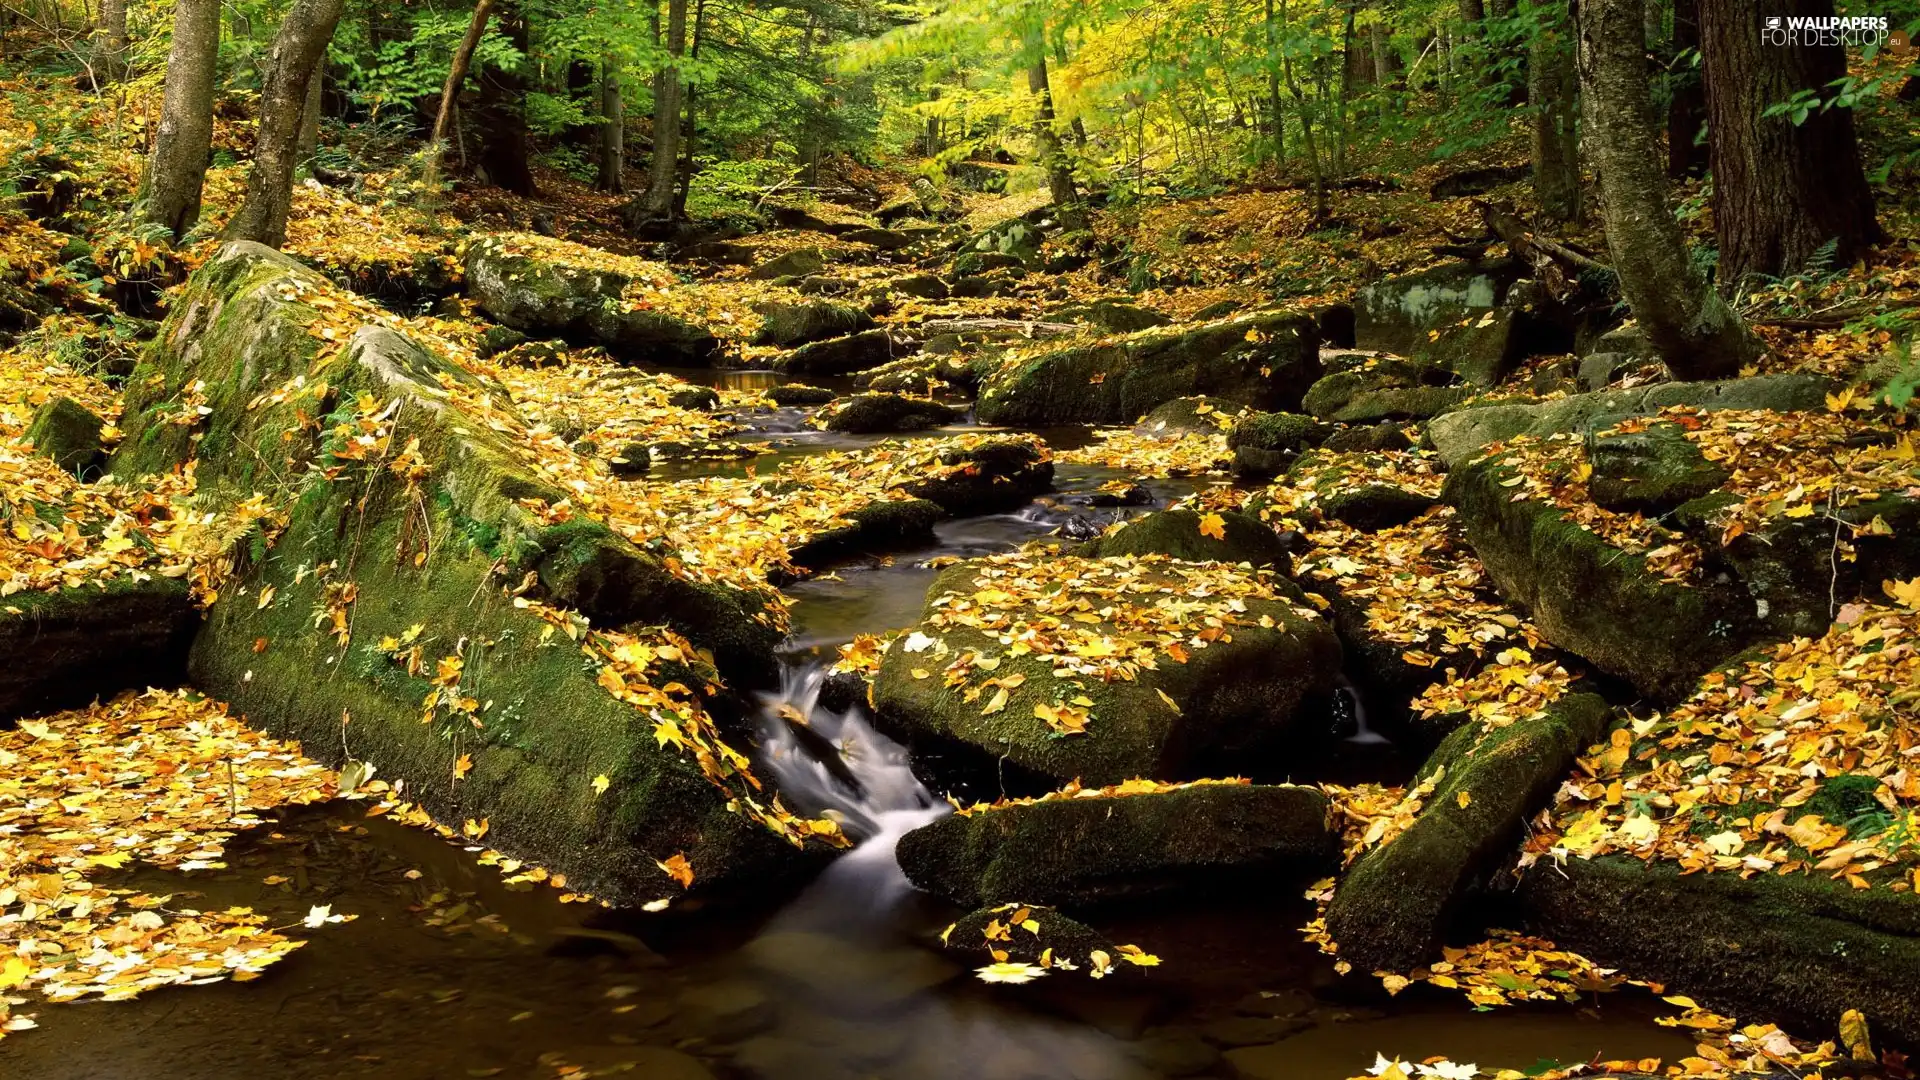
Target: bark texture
column 457, row 71
column 177, row 171
column 503, row 126
column 110, row 59
column 1781, row 191
column 1053, row 156
column 1693, row 329
column 667, row 100
column 613, row 131
column 1552, row 88
column 292, row 66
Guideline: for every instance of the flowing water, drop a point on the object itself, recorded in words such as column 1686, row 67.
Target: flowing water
column 447, row 972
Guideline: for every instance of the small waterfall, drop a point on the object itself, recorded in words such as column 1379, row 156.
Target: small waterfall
column 1362, row 734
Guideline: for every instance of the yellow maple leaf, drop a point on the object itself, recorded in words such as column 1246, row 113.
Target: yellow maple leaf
column 462, row 766
column 1906, row 593
column 1213, row 525
column 600, row 784
column 678, row 868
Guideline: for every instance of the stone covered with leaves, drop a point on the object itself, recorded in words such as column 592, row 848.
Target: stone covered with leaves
column 551, row 288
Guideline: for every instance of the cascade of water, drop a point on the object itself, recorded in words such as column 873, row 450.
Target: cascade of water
column 1362, row 734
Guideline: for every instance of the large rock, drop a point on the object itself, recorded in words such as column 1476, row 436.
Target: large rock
column 1263, row 361
column 1399, row 313
column 1081, row 851
column 68, row 647
column 877, row 414
column 68, row 433
column 1221, row 682
column 796, row 263
column 787, row 325
column 406, row 527
column 1395, row 906
column 1461, row 434
column 848, row 354
column 987, row 476
column 1266, row 444
column 1650, row 471
column 552, row 288
column 1177, row 534
column 1797, row 950
column 1188, row 416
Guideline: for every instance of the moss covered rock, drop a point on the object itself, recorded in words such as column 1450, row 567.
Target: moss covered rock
column 885, row 526
column 1372, row 507
column 1651, row 471
column 68, row 433
column 1395, row 906
column 847, row 354
column 1080, row 852
column 1113, row 316
column 1401, row 403
column 1797, row 950
column 1188, row 415
column 425, row 558
column 875, row 414
column 1398, row 314
column 569, row 291
column 66, row 648
column 1265, row 444
column 799, row 262
column 1176, row 534
column 988, row 477
column 790, row 394
column 989, row 935
column 788, row 324
column 1209, row 684
column 1264, row 361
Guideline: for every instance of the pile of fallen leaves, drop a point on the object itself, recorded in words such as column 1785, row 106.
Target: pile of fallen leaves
column 163, row 779
column 1799, row 762
column 367, row 241
column 1368, row 815
column 1513, row 687
column 611, row 405
column 1153, row 455
column 1089, row 619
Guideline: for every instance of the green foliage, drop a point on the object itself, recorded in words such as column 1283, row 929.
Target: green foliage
column 728, row 189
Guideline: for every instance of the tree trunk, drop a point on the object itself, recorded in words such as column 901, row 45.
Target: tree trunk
column 1552, row 89
column 690, row 137
column 457, row 72
column 178, row 168
column 1472, row 11
column 1692, row 328
column 309, row 141
column 293, row 64
column 613, row 130
column 1687, row 105
column 1273, row 89
column 666, row 117
column 1780, row 191
column 1053, row 156
column 111, row 56
column 500, row 119
column 1316, row 170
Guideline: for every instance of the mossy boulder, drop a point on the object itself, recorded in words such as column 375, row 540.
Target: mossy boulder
column 1188, row 415
column 430, row 556
column 847, row 354
column 990, row 476
column 976, row 937
column 1254, row 689
column 873, row 414
column 894, row 525
column 68, row 433
column 1265, row 444
column 697, row 398
column 1797, row 950
column 569, row 291
column 1397, row 314
column 922, row 286
column 1113, row 316
column 1461, row 434
column 1375, row 506
column 1262, row 361
column 1650, row 471
column 1593, row 599
column 799, row 262
column 1369, row 438
column 1082, row 852
column 976, row 263
column 788, row 324
column 1401, row 403
column 1176, row 534
column 1351, row 375
column 1395, row 906
column 68, row 647
column 791, row 394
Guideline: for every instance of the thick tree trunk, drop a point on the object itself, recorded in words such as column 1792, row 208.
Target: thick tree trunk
column 1552, row 88
column 1781, row 191
column 294, row 63
column 613, row 130
column 457, row 72
column 178, row 168
column 500, row 116
column 667, row 101
column 1693, row 329
column 1687, row 106
column 1053, row 156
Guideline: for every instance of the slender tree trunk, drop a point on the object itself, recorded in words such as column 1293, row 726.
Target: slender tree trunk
column 293, row 64
column 1693, row 329
column 1687, row 105
column 178, row 168
column 1053, row 156
column 1346, row 91
column 613, row 130
column 1552, row 88
column 1274, row 106
column 111, row 55
column 309, row 141
column 1781, row 191
column 501, row 117
column 1307, row 141
column 692, row 93
column 457, row 72
column 666, row 116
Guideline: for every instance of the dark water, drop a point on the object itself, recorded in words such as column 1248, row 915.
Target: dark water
column 449, row 973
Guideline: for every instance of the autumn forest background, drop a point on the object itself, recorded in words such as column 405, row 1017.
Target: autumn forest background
column 1001, row 539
